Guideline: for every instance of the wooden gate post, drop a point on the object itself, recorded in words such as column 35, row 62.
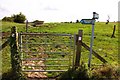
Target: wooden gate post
column 26, row 25
column 78, row 48
column 15, row 55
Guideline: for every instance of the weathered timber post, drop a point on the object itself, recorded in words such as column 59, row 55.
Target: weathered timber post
column 113, row 35
column 4, row 44
column 26, row 25
column 94, row 53
column 78, row 48
column 15, row 55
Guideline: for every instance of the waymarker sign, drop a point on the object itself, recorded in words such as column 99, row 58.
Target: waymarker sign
column 87, row 21
column 92, row 22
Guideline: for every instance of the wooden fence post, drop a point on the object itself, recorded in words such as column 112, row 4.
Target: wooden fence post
column 113, row 35
column 15, row 55
column 4, row 44
column 78, row 48
column 26, row 25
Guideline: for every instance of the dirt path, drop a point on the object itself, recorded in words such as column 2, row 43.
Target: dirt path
column 33, row 75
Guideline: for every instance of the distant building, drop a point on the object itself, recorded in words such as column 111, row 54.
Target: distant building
column 37, row 23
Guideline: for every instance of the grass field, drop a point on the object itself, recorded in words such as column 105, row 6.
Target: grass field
column 104, row 45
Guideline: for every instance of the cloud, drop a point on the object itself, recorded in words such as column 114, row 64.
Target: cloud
column 2, row 9
column 4, row 12
column 50, row 8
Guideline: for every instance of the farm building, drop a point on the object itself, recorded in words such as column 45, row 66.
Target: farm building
column 37, row 23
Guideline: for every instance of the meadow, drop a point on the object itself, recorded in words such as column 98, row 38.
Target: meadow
column 104, row 45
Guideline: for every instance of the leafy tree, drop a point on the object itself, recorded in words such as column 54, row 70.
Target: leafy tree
column 10, row 19
column 77, row 21
column 19, row 18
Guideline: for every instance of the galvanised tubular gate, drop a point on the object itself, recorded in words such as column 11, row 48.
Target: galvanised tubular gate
column 54, row 50
column 43, row 52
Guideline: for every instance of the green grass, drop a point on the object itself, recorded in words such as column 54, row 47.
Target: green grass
column 6, row 26
column 104, row 45
column 6, row 60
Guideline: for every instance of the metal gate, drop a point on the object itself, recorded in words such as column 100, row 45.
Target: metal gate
column 49, row 54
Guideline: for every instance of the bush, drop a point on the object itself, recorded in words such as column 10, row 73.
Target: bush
column 106, row 72
column 77, row 21
column 19, row 18
column 81, row 73
column 9, row 19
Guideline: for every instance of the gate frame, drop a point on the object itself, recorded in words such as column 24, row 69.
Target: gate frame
column 44, row 34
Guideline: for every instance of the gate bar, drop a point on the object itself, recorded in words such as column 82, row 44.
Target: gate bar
column 47, row 65
column 44, row 34
column 44, row 70
column 32, row 59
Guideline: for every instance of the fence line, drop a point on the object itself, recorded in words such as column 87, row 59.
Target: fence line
column 4, row 44
column 94, row 53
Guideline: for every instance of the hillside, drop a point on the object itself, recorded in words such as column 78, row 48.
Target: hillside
column 104, row 45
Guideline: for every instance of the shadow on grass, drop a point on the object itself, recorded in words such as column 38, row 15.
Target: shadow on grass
column 10, row 75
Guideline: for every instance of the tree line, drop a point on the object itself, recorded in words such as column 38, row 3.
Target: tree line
column 18, row 18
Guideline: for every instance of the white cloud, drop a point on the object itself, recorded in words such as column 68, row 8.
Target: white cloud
column 2, row 9
column 50, row 8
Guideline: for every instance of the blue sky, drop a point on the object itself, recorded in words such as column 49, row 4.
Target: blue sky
column 60, row 10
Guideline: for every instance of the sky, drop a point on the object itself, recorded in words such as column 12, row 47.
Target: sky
column 60, row 10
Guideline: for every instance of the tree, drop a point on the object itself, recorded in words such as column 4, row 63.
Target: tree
column 77, row 21
column 19, row 18
column 10, row 19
